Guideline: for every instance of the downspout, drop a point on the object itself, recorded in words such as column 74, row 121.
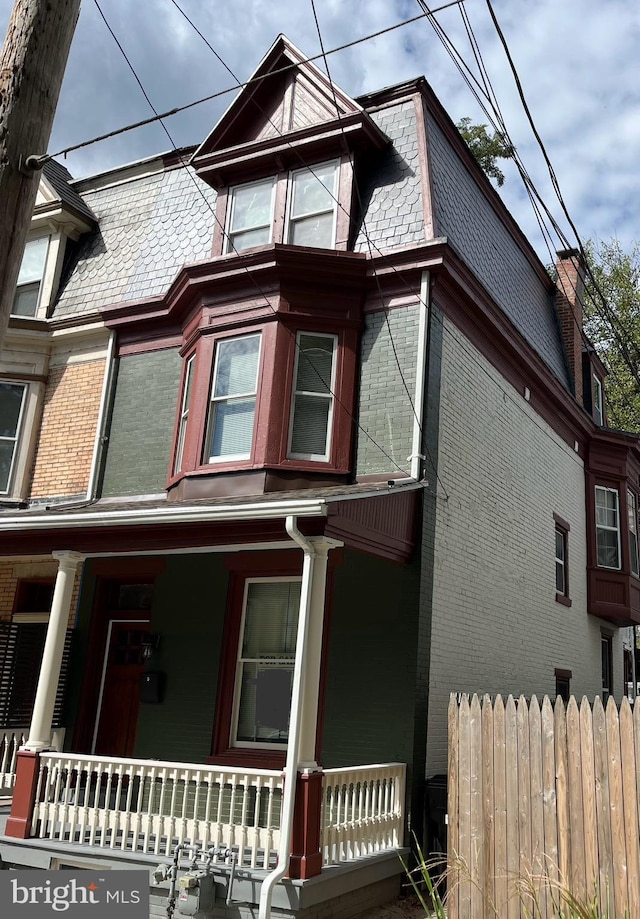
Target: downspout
column 417, row 457
column 291, row 766
column 102, row 419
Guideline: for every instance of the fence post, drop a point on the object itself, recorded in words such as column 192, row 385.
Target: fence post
column 22, row 804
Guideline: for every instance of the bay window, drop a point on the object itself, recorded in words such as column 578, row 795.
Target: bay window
column 632, row 517
column 233, row 399
column 608, row 527
column 184, row 413
column 312, row 401
column 266, row 657
column 12, row 401
column 27, row 296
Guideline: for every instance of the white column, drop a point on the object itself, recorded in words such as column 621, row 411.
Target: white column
column 311, row 684
column 40, row 731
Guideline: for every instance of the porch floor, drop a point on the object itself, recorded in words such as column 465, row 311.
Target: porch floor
column 357, row 887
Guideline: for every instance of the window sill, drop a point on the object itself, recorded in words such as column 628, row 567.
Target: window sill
column 565, row 601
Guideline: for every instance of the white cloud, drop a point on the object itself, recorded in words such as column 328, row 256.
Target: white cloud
column 576, row 59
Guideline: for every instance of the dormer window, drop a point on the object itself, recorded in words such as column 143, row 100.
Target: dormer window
column 313, row 206
column 233, row 399
column 27, row 296
column 251, row 215
column 299, row 208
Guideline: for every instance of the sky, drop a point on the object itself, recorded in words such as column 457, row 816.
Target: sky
column 577, row 61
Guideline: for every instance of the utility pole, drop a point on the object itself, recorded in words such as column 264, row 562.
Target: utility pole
column 32, row 65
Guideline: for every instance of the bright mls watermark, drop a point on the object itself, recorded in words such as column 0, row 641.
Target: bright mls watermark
column 90, row 894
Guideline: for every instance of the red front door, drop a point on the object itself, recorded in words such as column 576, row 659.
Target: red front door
column 119, row 698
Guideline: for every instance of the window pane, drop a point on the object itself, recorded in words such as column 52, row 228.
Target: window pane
column 267, row 660
column 632, row 517
column 252, row 206
column 11, row 395
column 237, row 366
column 310, row 425
column 314, row 191
column 608, row 548
column 232, row 426
column 6, row 456
column 316, row 231
column 32, row 267
column 25, row 302
column 248, row 238
column 315, row 363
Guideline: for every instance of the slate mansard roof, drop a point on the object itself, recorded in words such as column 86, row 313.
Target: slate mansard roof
column 158, row 215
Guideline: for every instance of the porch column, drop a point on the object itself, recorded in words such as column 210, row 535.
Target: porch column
column 311, row 685
column 306, row 855
column 40, row 730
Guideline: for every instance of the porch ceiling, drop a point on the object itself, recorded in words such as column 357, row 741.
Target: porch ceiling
column 371, row 517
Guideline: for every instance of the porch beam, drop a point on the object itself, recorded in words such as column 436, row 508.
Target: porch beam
column 41, row 723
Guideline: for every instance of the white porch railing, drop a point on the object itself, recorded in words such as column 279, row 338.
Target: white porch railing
column 362, row 811
column 150, row 806
column 10, row 743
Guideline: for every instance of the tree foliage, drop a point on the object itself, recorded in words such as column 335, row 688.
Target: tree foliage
column 617, row 275
column 486, row 147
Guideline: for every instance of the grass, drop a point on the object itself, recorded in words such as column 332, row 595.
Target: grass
column 427, row 878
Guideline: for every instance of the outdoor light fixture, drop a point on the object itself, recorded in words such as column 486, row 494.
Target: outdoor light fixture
column 150, row 643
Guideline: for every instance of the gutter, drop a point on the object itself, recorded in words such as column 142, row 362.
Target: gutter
column 295, row 722
column 417, row 457
column 98, row 445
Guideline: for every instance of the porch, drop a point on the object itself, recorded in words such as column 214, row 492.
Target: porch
column 150, row 807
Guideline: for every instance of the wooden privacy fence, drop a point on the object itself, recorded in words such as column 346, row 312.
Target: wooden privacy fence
column 542, row 800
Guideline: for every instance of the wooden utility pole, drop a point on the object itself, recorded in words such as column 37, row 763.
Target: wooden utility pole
column 32, row 65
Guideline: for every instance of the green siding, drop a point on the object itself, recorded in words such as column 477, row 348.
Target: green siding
column 188, row 613
column 141, row 427
column 371, row 678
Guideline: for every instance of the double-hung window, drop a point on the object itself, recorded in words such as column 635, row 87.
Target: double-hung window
column 266, row 657
column 233, row 399
column 632, row 516
column 313, row 206
column 184, row 413
column 12, row 401
column 251, row 215
column 561, row 561
column 598, row 406
column 313, row 399
column 608, row 527
column 27, row 296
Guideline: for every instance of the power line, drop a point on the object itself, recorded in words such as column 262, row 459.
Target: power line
column 223, row 92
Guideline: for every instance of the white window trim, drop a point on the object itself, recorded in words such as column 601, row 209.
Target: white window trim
column 616, row 529
column 237, row 686
column 231, row 457
column 314, row 457
column 335, row 200
column 228, row 244
column 184, row 413
column 17, row 436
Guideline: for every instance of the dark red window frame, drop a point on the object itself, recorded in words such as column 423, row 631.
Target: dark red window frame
column 563, row 527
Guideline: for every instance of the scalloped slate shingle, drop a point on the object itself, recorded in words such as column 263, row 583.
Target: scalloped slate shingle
column 148, row 229
column 391, row 191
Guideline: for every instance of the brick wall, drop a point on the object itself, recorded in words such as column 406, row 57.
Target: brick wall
column 13, row 570
column 385, row 412
column 496, row 625
column 62, row 463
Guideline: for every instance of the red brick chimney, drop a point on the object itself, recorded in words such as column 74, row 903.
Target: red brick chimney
column 569, row 300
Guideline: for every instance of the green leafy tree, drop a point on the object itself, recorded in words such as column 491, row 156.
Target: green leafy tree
column 615, row 332
column 486, row 147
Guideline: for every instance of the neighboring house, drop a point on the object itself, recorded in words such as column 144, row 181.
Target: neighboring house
column 318, row 375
